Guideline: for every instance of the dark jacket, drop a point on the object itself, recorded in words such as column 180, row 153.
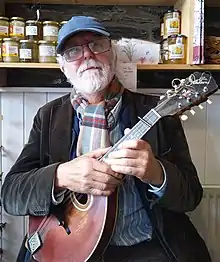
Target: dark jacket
column 28, row 185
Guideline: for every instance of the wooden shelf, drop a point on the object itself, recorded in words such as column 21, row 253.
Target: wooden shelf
column 139, row 66
column 212, row 3
column 178, row 67
column 30, row 65
column 97, row 2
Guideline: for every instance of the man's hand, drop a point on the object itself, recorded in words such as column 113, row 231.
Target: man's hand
column 135, row 157
column 87, row 175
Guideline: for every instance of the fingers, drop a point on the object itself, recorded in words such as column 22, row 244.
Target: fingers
column 97, row 153
column 123, row 153
column 134, row 144
column 94, row 188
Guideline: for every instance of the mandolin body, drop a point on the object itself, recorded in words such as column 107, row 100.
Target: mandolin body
column 89, row 228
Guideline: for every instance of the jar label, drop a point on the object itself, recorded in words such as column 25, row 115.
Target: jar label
column 31, row 30
column 16, row 30
column 47, row 51
column 172, row 26
column 25, row 54
column 3, row 30
column 8, row 50
column 176, row 51
column 50, row 31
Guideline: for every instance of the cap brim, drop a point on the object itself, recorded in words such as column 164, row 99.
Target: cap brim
column 94, row 30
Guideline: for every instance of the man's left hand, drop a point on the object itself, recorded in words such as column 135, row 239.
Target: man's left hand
column 135, row 157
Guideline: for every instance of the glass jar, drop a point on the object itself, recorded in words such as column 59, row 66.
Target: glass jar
column 28, row 51
column 177, row 45
column 4, row 26
column 172, row 23
column 33, row 30
column 17, row 25
column 50, row 30
column 47, row 51
column 164, row 51
column 0, row 50
column 10, row 48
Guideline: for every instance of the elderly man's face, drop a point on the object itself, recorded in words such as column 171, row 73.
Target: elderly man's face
column 89, row 62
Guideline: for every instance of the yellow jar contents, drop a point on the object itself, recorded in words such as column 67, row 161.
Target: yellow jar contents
column 177, row 45
column 4, row 26
column 33, row 30
column 47, row 51
column 10, row 50
column 0, row 50
column 17, row 26
column 28, row 51
column 50, row 30
column 172, row 23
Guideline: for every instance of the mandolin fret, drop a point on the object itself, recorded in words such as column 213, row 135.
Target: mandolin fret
column 138, row 131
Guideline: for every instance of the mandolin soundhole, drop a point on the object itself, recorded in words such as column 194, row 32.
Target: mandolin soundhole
column 81, row 201
column 81, row 198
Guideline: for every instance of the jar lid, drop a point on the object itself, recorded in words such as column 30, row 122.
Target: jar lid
column 9, row 39
column 27, row 41
column 172, row 11
column 50, row 22
column 17, row 18
column 4, row 18
column 47, row 42
column 176, row 35
column 33, row 21
column 63, row 22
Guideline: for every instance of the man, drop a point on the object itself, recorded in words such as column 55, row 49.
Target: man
column 71, row 133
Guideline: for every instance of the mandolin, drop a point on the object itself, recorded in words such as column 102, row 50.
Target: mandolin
column 81, row 227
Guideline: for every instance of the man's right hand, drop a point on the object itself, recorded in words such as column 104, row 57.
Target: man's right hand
column 87, row 175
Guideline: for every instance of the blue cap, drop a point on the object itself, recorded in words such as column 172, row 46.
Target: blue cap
column 78, row 24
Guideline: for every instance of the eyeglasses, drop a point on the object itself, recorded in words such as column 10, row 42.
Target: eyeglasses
column 97, row 46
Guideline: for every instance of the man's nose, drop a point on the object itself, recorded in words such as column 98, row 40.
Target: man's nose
column 87, row 53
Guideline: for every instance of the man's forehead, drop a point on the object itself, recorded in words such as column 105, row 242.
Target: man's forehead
column 81, row 38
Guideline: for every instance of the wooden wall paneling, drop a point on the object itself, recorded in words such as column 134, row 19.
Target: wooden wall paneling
column 12, row 141
column 195, row 130
column 212, row 171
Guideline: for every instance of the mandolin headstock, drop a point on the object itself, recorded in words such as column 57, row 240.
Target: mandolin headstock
column 187, row 93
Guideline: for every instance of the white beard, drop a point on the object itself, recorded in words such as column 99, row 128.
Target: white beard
column 93, row 80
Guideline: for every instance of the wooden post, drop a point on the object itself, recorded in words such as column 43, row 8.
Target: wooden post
column 2, row 71
column 193, row 28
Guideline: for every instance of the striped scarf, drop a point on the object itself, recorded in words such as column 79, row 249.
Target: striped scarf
column 97, row 120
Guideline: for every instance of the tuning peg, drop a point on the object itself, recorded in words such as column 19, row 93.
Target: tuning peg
column 184, row 117
column 192, row 112
column 201, row 107
column 162, row 97
column 209, row 101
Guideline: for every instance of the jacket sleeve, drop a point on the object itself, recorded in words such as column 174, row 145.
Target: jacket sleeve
column 183, row 189
column 27, row 187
